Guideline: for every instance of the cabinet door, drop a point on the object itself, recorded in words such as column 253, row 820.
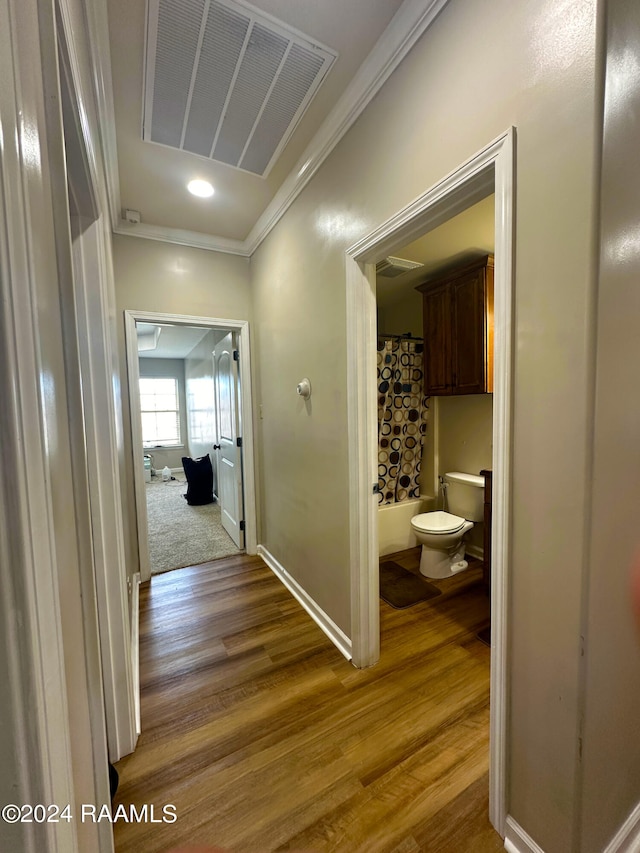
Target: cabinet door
column 468, row 334
column 437, row 340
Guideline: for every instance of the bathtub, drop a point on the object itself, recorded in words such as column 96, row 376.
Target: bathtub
column 394, row 523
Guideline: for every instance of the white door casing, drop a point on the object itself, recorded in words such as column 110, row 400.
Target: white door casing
column 245, row 414
column 93, row 298
column 229, row 454
column 53, row 735
column 491, row 170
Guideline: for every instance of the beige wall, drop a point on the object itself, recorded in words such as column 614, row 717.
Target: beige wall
column 611, row 754
column 463, row 426
column 402, row 317
column 166, row 278
column 482, row 68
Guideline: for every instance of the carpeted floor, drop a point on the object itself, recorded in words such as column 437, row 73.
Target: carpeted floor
column 179, row 534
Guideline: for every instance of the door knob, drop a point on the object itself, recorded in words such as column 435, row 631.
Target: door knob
column 216, row 447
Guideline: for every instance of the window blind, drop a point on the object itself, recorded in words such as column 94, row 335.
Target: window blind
column 160, row 411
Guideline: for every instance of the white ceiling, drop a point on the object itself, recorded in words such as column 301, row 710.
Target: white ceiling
column 153, row 178
column 465, row 237
column 173, row 341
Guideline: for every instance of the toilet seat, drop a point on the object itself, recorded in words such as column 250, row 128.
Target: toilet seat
column 438, row 522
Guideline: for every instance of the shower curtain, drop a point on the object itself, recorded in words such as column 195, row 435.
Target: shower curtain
column 402, row 419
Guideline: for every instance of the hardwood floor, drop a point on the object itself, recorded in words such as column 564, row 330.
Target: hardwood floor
column 265, row 738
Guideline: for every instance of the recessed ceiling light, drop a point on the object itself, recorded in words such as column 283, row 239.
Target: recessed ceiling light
column 203, row 189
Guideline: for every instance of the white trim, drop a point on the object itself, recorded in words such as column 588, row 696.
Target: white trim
column 503, row 378
column 182, row 238
column 409, row 23
column 135, row 419
column 471, row 182
column 324, row 622
column 517, row 840
column 39, row 371
column 493, row 167
column 88, row 304
column 134, row 615
column 241, row 327
column 363, row 464
column 99, row 51
column 96, row 359
column 36, row 703
column 627, row 838
column 105, row 572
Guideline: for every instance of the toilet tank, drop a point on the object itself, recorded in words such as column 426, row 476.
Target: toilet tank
column 465, row 495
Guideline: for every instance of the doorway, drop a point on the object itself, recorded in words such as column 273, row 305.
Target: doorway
column 490, row 171
column 204, row 410
column 425, row 433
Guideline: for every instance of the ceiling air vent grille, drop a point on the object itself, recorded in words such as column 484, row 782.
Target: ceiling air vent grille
column 392, row 267
column 224, row 81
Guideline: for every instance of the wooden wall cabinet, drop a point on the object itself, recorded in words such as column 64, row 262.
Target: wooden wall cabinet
column 458, row 330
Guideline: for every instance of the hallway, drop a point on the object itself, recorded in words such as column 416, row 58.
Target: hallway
column 265, row 738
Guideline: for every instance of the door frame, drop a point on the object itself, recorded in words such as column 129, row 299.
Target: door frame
column 91, row 294
column 241, row 328
column 491, row 170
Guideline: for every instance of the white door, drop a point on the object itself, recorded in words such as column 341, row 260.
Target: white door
column 225, row 375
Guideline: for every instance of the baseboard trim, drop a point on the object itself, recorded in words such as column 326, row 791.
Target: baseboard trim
column 517, row 840
column 627, row 838
column 475, row 551
column 135, row 645
column 335, row 634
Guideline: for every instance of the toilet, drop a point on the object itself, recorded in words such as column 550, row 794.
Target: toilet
column 442, row 534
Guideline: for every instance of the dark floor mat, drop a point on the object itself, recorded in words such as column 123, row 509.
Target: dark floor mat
column 401, row 588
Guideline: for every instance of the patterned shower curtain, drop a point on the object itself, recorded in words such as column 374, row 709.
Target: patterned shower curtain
column 402, row 419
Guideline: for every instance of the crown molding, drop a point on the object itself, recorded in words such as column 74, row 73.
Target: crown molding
column 182, row 238
column 98, row 34
column 410, row 22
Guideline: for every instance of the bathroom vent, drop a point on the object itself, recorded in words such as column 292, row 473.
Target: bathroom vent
column 391, row 267
column 227, row 82
column 148, row 335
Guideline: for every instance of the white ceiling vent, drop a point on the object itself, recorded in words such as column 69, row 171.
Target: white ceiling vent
column 148, row 335
column 391, row 267
column 225, row 81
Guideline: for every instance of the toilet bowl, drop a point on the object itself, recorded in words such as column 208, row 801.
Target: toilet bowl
column 442, row 534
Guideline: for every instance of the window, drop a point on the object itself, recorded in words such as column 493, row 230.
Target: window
column 160, row 411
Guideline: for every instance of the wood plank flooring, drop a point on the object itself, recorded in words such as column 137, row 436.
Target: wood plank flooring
column 265, row 738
